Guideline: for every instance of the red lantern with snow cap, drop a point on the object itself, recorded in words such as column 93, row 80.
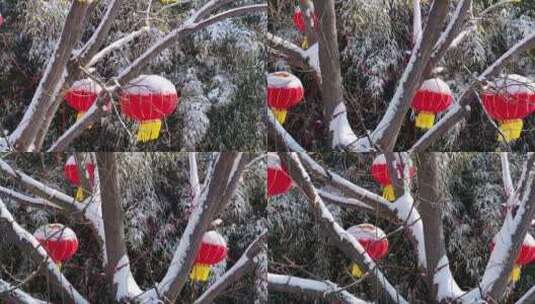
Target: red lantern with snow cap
column 213, row 250
column 70, row 171
column 299, row 22
column 433, row 97
column 82, row 95
column 509, row 100
column 278, row 180
column 60, row 242
column 525, row 256
column 148, row 99
column 381, row 175
column 374, row 241
column 285, row 91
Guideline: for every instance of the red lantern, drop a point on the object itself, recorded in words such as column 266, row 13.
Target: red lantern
column 374, row 241
column 59, row 241
column 70, row 171
column 1, row 20
column 82, row 95
column 525, row 256
column 278, row 180
column 285, row 91
column 509, row 100
column 299, row 21
column 148, row 99
column 213, row 250
column 381, row 175
column 434, row 96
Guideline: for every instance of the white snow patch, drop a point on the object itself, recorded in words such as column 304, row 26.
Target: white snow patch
column 283, row 80
column 127, row 287
column 150, row 84
column 343, row 135
column 447, row 287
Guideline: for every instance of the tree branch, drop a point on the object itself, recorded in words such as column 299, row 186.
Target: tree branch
column 26, row 132
column 311, row 288
column 16, row 294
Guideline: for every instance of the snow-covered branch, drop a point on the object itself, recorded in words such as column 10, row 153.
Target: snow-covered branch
column 40, row 189
column 506, row 174
column 28, row 201
column 386, row 132
column 510, row 238
column 27, row 243
column 243, row 266
column 528, row 297
column 416, row 21
column 14, row 293
column 54, row 75
column 312, row 288
column 194, row 175
column 439, row 278
column 333, row 231
column 221, row 184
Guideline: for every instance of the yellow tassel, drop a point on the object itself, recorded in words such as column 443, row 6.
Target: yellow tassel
column 200, row 272
column 149, row 130
column 79, row 196
column 388, row 193
column 515, row 274
column 280, row 115
column 304, row 45
column 425, row 120
column 59, row 266
column 79, row 115
column 510, row 129
column 356, row 271
column 168, row 1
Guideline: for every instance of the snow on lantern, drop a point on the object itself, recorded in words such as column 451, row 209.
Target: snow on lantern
column 213, row 250
column 82, row 95
column 70, row 171
column 278, row 180
column 285, row 91
column 59, row 241
column 381, row 175
column 374, row 241
column 509, row 100
column 148, row 99
column 433, row 97
column 525, row 256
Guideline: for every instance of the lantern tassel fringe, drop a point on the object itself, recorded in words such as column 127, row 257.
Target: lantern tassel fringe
column 425, row 120
column 280, row 115
column 515, row 273
column 79, row 194
column 79, row 115
column 149, row 130
column 200, row 272
column 356, row 271
column 388, row 193
column 510, row 129
column 304, row 45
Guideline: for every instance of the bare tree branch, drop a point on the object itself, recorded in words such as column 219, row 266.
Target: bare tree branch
column 53, row 78
column 311, row 288
column 16, row 294
column 28, row 201
column 528, row 297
